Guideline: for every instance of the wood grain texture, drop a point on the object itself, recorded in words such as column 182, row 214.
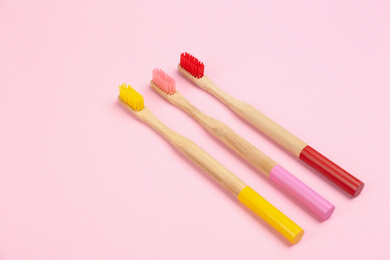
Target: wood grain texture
column 196, row 154
column 269, row 127
column 224, row 133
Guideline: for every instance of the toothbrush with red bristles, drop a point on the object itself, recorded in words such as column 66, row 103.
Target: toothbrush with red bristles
column 193, row 69
column 165, row 85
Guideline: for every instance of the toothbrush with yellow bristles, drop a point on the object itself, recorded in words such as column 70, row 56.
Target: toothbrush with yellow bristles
column 165, row 85
column 132, row 100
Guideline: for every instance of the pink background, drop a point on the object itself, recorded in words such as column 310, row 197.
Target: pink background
column 82, row 179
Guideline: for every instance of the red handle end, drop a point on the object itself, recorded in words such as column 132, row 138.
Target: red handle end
column 332, row 171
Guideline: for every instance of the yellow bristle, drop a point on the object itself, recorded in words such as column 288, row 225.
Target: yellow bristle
column 131, row 97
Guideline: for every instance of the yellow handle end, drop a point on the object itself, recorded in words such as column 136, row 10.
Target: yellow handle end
column 270, row 214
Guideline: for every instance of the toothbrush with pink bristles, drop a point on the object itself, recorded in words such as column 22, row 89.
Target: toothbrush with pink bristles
column 165, row 85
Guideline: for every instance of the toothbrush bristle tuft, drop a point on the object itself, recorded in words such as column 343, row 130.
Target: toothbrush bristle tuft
column 163, row 81
column 192, row 65
column 131, row 97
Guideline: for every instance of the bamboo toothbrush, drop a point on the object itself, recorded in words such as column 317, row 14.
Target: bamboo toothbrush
column 193, row 69
column 132, row 100
column 165, row 85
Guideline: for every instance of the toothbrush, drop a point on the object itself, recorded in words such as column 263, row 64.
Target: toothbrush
column 165, row 85
column 193, row 69
column 132, row 100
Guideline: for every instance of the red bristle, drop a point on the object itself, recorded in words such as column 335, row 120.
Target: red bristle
column 192, row 65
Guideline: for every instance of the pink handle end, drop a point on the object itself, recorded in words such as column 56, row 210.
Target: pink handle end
column 311, row 199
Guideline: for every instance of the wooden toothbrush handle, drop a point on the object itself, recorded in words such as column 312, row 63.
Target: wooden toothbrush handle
column 280, row 135
column 232, row 183
column 225, row 134
column 293, row 144
column 196, row 154
column 241, row 146
column 238, row 188
column 316, row 160
column 251, row 114
column 216, row 170
column 320, row 206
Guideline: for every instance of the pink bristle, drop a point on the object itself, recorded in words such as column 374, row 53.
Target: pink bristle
column 163, row 81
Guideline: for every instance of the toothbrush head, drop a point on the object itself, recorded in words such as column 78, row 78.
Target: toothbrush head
column 192, row 65
column 131, row 97
column 163, row 81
